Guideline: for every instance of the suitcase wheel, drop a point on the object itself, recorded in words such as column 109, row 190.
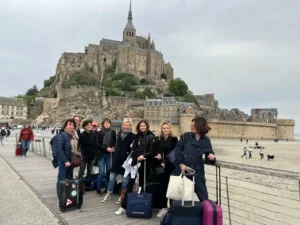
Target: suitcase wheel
column 62, row 210
column 78, row 207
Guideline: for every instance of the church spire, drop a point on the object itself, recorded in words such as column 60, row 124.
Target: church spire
column 129, row 25
column 130, row 12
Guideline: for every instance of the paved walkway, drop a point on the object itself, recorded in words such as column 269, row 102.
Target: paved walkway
column 39, row 175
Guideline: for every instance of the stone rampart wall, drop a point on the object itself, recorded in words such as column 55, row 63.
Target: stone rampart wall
column 230, row 129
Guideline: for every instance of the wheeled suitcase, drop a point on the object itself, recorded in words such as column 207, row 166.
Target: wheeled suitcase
column 212, row 211
column 187, row 212
column 70, row 194
column 139, row 205
column 18, row 150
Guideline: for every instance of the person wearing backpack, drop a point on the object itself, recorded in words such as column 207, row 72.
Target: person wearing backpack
column 2, row 134
column 25, row 137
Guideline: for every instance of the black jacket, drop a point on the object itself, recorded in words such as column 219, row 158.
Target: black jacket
column 123, row 149
column 99, row 152
column 112, row 142
column 143, row 144
column 165, row 151
column 88, row 145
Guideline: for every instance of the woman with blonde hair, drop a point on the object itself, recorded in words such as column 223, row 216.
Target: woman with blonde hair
column 166, row 143
column 123, row 149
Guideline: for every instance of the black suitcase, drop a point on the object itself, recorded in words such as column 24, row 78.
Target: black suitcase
column 187, row 212
column 70, row 194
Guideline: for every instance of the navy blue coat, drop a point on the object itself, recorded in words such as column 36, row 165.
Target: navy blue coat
column 123, row 149
column 190, row 152
column 64, row 148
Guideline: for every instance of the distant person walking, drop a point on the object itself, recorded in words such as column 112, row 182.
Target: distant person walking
column 245, row 153
column 2, row 134
column 26, row 135
column 261, row 152
column 241, row 140
column 250, row 153
column 246, row 141
column 7, row 133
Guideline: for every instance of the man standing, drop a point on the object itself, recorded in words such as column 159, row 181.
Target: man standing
column 26, row 135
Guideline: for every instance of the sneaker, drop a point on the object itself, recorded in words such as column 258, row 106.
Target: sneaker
column 162, row 213
column 119, row 200
column 23, row 156
column 106, row 198
column 99, row 192
column 120, row 211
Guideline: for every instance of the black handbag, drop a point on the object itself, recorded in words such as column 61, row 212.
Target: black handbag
column 160, row 170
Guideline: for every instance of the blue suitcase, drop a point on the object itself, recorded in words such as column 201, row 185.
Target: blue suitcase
column 139, row 205
column 187, row 212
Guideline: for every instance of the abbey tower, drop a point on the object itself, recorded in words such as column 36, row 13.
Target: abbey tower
column 134, row 54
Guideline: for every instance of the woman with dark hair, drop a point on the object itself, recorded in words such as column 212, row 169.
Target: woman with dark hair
column 166, row 143
column 88, row 145
column 189, row 152
column 66, row 144
column 108, row 145
column 142, row 148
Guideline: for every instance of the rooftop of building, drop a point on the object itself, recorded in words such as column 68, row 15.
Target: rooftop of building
column 12, row 101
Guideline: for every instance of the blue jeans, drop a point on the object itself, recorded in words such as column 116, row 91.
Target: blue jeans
column 104, row 160
column 25, row 146
column 63, row 173
column 112, row 181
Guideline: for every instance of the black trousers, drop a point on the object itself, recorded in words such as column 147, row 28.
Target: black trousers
column 131, row 183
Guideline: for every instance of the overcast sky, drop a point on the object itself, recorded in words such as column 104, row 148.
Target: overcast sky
column 247, row 52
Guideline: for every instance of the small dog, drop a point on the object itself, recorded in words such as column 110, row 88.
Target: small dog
column 270, row 157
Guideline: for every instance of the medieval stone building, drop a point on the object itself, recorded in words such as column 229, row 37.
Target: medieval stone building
column 134, row 54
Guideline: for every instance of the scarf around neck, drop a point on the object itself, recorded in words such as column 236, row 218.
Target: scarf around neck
column 124, row 133
column 74, row 140
column 107, row 136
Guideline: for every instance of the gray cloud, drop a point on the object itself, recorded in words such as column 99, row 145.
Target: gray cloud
column 246, row 52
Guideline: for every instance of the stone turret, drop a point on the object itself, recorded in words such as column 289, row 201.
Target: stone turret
column 129, row 32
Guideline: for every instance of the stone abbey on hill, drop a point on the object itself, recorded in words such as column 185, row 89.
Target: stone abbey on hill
column 134, row 54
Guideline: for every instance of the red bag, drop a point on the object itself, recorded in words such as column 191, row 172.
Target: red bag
column 18, row 151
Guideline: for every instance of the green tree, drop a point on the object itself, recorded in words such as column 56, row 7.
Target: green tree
column 144, row 81
column 189, row 97
column 32, row 91
column 147, row 92
column 50, row 81
column 163, row 76
column 178, row 87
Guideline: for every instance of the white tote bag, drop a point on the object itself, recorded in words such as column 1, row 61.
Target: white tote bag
column 181, row 188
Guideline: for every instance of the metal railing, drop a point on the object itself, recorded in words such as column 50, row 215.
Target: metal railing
column 243, row 202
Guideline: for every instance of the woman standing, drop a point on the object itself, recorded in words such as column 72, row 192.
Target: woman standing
column 165, row 145
column 189, row 152
column 88, row 145
column 109, row 142
column 123, row 149
column 26, row 135
column 66, row 144
column 142, row 148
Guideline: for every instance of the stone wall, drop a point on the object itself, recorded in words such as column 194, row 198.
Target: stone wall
column 285, row 129
column 229, row 129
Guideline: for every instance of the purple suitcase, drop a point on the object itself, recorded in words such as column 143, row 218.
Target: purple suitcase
column 212, row 211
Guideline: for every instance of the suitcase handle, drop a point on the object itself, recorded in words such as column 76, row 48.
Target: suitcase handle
column 218, row 183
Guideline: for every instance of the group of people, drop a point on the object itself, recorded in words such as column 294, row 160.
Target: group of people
column 248, row 153
column 126, row 152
